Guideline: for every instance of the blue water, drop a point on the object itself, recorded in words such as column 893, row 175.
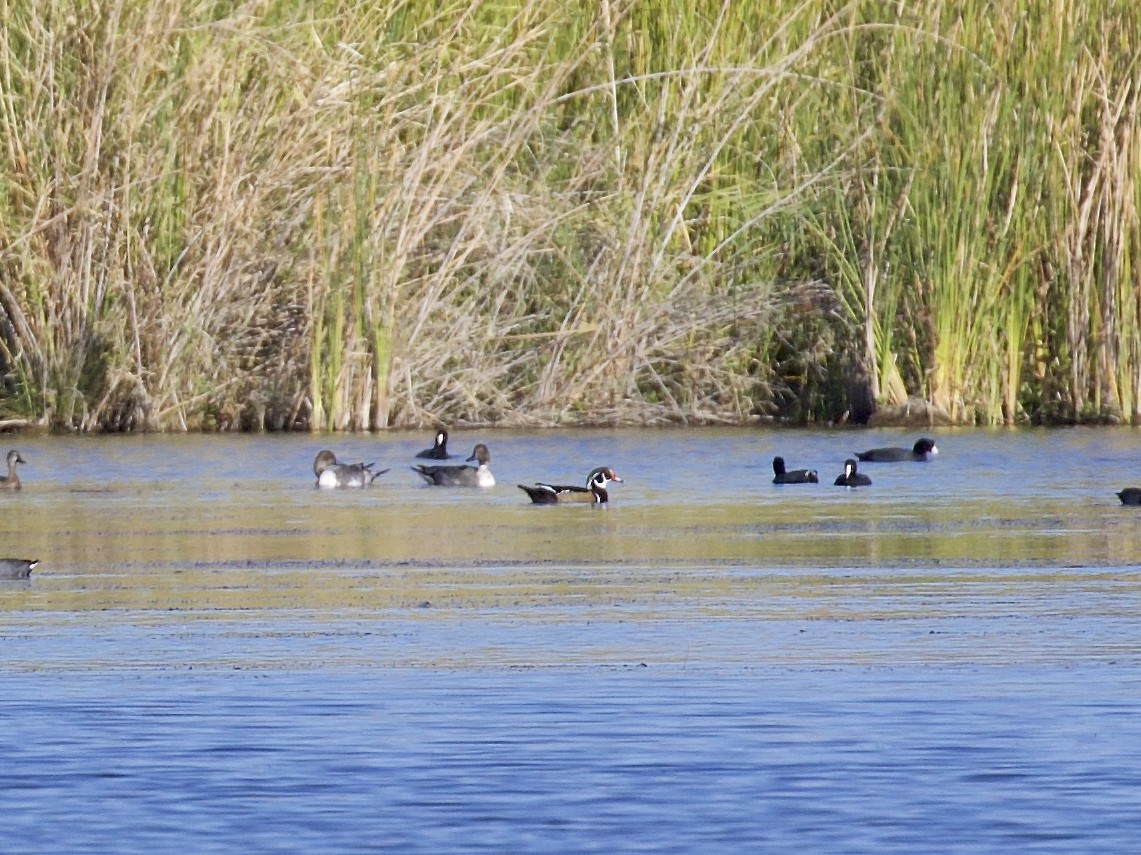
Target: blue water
column 593, row 760
column 205, row 662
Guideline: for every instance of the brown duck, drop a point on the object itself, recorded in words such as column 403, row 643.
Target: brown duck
column 11, row 481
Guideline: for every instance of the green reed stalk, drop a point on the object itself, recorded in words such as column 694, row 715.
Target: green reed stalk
column 521, row 211
column 1129, row 364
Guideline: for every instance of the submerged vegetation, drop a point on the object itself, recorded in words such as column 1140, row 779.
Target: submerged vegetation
column 293, row 214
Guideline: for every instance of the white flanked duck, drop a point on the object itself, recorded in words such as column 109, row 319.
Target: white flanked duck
column 460, row 476
column 331, row 474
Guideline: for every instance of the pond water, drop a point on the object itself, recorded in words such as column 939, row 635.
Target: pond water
column 214, row 656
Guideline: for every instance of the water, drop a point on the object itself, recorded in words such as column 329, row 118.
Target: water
column 214, row 657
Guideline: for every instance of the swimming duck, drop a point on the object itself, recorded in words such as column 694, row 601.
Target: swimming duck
column 924, row 449
column 852, row 478
column 461, row 476
column 330, row 473
column 11, row 481
column 16, row 568
column 1130, row 496
column 439, row 451
column 796, row 476
column 594, row 491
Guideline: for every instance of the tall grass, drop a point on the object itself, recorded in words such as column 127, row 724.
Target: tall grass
column 978, row 244
column 294, row 214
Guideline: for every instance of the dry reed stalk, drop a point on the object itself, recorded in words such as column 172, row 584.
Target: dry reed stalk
column 393, row 214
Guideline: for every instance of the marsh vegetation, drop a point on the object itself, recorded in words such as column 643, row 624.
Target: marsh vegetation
column 283, row 214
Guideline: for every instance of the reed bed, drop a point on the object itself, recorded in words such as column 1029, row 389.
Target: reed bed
column 282, row 214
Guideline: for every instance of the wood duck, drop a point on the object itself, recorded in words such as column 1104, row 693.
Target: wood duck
column 460, row 476
column 11, row 481
column 439, row 451
column 796, row 476
column 1130, row 496
column 594, row 491
column 16, row 568
column 332, row 474
column 852, row 478
column 924, row 449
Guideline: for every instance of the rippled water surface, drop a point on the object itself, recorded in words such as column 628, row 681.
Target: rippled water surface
column 213, row 656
